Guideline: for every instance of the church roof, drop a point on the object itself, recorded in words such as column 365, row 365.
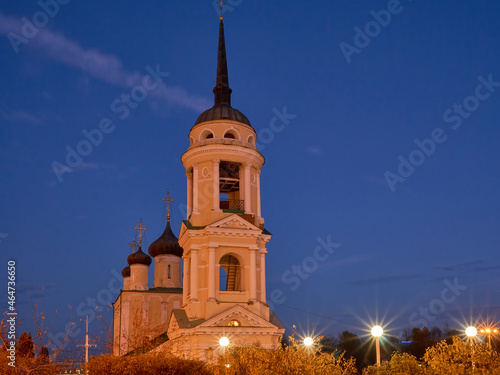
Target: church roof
column 126, row 272
column 167, row 244
column 183, row 321
column 222, row 112
column 274, row 320
column 139, row 258
column 222, row 109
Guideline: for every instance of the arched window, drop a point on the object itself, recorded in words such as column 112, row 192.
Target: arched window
column 206, row 134
column 232, row 134
column 168, row 272
column 230, row 273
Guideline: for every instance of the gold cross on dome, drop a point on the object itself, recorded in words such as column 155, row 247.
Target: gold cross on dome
column 141, row 229
column 133, row 245
column 167, row 199
column 221, row 5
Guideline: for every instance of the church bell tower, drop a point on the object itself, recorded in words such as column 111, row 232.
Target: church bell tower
column 223, row 237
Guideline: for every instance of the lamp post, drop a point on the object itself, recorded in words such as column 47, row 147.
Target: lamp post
column 377, row 332
column 488, row 332
column 471, row 332
column 224, row 343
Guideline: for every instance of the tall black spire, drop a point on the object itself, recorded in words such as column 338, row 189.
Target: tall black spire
column 222, row 109
column 221, row 90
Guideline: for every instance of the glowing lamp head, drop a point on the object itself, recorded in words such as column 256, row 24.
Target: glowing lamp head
column 308, row 341
column 377, row 331
column 471, row 331
column 224, row 341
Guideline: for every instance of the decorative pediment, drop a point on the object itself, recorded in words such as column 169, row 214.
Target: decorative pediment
column 233, row 222
column 238, row 313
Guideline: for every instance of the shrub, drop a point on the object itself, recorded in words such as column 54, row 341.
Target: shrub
column 400, row 363
column 288, row 361
column 146, row 364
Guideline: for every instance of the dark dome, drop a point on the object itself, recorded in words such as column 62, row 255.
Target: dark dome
column 139, row 258
column 126, row 272
column 222, row 112
column 167, row 244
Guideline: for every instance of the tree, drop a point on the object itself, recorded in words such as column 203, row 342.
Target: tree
column 420, row 341
column 25, row 346
column 328, row 344
column 436, row 334
column 462, row 357
column 400, row 363
column 293, row 360
column 350, row 344
column 146, row 364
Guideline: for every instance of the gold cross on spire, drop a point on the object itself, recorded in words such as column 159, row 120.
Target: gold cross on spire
column 133, row 245
column 167, row 199
column 141, row 229
column 221, row 5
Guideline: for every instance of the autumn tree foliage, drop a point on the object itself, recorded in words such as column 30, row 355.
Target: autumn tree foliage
column 290, row 360
column 456, row 358
column 462, row 357
column 146, row 364
column 400, row 363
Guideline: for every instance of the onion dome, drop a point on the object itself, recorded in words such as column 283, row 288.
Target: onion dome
column 126, row 272
column 139, row 258
column 167, row 244
column 222, row 109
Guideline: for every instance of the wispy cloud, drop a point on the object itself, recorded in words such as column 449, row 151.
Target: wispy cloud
column 102, row 66
column 384, row 279
column 84, row 165
column 460, row 266
column 21, row 116
column 314, row 150
column 487, row 268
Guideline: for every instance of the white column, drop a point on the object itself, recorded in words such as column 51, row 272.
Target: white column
column 216, row 185
column 259, row 214
column 185, row 282
column 194, row 275
column 189, row 194
column 263, row 275
column 247, row 191
column 195, row 188
column 211, row 274
column 253, row 275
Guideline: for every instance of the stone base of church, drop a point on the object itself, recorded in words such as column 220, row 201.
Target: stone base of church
column 199, row 339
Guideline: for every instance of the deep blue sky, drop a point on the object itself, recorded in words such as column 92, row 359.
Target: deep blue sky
column 324, row 172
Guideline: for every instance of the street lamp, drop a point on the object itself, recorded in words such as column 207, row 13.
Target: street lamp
column 308, row 341
column 488, row 332
column 377, row 331
column 471, row 332
column 224, row 341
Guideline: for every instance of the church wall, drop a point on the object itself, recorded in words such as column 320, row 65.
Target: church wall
column 161, row 279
